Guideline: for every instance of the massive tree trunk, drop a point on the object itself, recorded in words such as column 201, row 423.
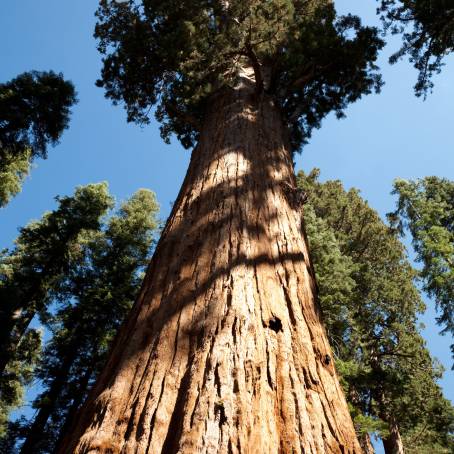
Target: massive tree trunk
column 224, row 351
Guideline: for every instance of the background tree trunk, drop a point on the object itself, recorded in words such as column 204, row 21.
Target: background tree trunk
column 77, row 402
column 36, row 431
column 224, row 351
column 393, row 444
column 366, row 444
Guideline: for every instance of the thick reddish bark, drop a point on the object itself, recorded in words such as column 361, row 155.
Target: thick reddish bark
column 224, row 351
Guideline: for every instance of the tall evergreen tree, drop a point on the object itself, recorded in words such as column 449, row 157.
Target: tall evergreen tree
column 97, row 292
column 16, row 377
column 370, row 305
column 427, row 28
column 29, row 275
column 34, row 112
column 225, row 349
column 426, row 208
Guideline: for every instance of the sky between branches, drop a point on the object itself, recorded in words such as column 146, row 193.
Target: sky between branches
column 384, row 136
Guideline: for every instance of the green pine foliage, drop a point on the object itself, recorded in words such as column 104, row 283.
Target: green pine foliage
column 427, row 28
column 97, row 291
column 18, row 374
column 176, row 55
column 29, row 275
column 425, row 415
column 370, row 305
column 335, row 279
column 14, row 168
column 426, row 209
column 34, row 112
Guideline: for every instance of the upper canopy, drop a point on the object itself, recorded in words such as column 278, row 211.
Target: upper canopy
column 175, row 54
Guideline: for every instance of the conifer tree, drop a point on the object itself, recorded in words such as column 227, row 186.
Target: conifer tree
column 426, row 208
column 34, row 112
column 29, row 275
column 97, row 292
column 224, row 350
column 427, row 28
column 370, row 306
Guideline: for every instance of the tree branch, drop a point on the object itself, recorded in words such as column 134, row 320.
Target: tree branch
column 187, row 118
column 256, row 67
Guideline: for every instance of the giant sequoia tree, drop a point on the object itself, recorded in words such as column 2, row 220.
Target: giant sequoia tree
column 224, row 349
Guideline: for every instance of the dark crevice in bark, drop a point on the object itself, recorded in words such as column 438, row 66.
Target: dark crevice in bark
column 308, row 380
column 207, row 366
column 131, row 423
column 171, row 442
column 147, row 367
column 234, row 327
column 329, row 422
column 296, row 402
column 195, row 408
column 268, row 370
column 219, row 411
column 153, row 418
column 217, row 380
column 288, row 300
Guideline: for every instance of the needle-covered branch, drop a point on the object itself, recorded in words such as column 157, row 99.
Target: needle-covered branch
column 34, row 112
column 176, row 55
column 427, row 28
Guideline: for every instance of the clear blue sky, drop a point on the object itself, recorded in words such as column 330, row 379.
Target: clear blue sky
column 390, row 135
